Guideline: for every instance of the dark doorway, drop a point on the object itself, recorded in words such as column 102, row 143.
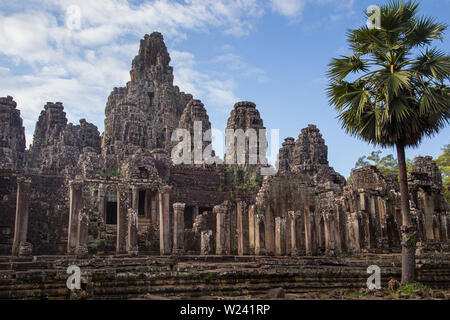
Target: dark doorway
column 111, row 213
column 141, row 207
column 188, row 217
column 203, row 209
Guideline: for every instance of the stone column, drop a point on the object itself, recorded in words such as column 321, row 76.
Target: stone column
column 428, row 211
column 75, row 198
column 332, row 240
column 364, row 231
column 242, row 224
column 383, row 240
column 22, row 212
column 353, row 241
column 155, row 213
column 269, row 231
column 82, row 233
column 147, row 207
column 310, row 244
column 135, row 197
column 102, row 201
column 132, row 238
column 444, row 227
column 205, row 246
column 178, row 228
column 195, row 212
column 293, row 217
column 362, row 202
column 260, row 234
column 222, row 231
column 280, row 236
column 251, row 228
column 123, row 191
column 164, row 220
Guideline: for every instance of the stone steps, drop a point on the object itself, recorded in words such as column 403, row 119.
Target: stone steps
column 122, row 277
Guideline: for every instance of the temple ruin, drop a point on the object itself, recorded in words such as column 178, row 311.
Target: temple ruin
column 78, row 193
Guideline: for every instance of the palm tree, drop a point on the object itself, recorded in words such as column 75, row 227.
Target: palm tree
column 392, row 91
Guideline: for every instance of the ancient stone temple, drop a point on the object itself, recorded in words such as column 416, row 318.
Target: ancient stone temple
column 79, row 194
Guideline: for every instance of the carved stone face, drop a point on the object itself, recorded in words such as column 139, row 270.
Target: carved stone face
column 133, row 135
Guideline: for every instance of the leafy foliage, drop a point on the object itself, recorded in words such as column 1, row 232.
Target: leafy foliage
column 443, row 162
column 114, row 173
column 386, row 165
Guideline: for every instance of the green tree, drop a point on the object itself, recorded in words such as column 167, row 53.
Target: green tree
column 443, row 162
column 389, row 93
column 386, row 165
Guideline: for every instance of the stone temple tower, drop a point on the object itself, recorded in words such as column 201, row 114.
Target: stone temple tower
column 12, row 135
column 144, row 114
column 245, row 118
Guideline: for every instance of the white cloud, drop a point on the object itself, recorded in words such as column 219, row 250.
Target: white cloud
column 4, row 70
column 294, row 8
column 237, row 64
column 290, row 8
column 215, row 93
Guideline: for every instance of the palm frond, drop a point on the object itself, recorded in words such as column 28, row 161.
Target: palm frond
column 343, row 66
column 433, row 63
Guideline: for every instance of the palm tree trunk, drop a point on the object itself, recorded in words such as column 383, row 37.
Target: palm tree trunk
column 407, row 229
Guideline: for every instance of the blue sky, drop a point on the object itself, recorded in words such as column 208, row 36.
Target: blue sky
column 273, row 52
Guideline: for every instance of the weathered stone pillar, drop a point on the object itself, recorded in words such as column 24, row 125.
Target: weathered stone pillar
column 362, row 201
column 352, row 234
column 123, row 191
column 195, row 212
column 178, row 228
column 147, row 206
column 205, row 245
column 310, row 237
column 332, row 237
column 364, row 231
column 82, row 233
column 269, row 231
column 164, row 220
column 155, row 212
column 75, row 198
column 242, row 222
column 444, row 227
column 22, row 212
column 428, row 210
column 222, row 230
column 260, row 234
column 132, row 239
column 383, row 239
column 135, row 197
column 294, row 246
column 102, row 201
column 251, row 228
column 280, row 236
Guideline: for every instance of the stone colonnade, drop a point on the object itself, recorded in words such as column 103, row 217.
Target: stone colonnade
column 358, row 221
column 127, row 215
column 258, row 232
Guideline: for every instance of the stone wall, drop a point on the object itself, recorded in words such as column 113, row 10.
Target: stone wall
column 48, row 213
